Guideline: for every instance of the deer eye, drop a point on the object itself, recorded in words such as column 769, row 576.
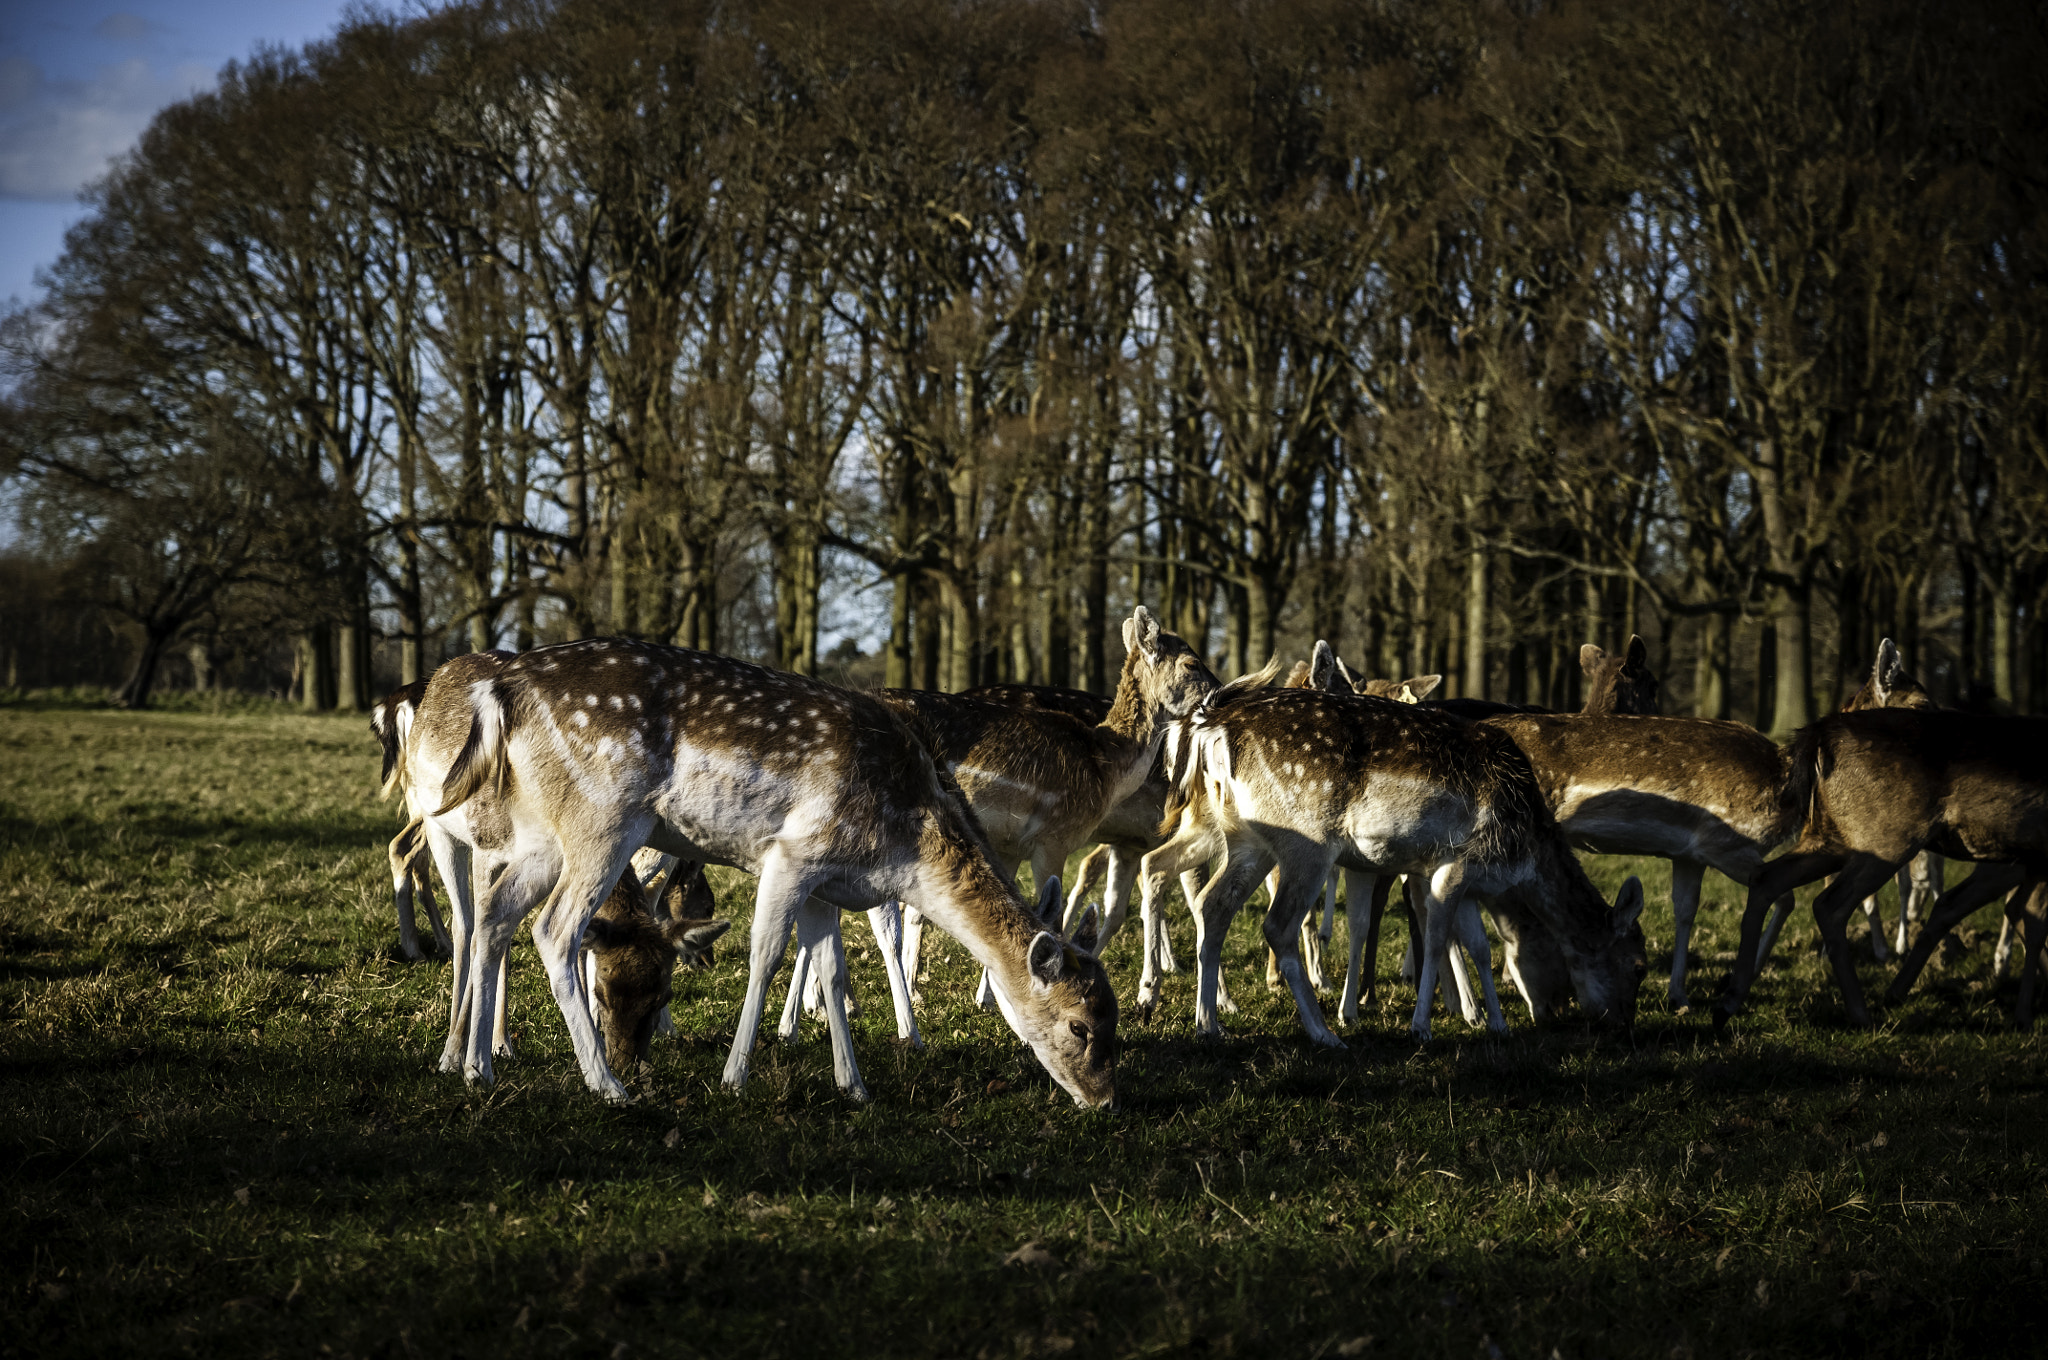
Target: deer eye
column 1080, row 1031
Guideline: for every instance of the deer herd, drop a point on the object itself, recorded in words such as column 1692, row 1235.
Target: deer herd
column 584, row 787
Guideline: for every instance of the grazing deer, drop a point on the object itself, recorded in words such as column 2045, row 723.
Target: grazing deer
column 1309, row 781
column 591, row 749
column 1873, row 789
column 633, row 954
column 1040, row 781
column 1887, row 686
column 1700, row 793
column 391, row 719
column 1985, row 885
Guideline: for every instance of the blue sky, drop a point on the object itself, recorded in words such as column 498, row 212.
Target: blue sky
column 79, row 81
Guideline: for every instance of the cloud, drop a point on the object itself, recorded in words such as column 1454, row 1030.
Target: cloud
column 122, row 28
column 56, row 135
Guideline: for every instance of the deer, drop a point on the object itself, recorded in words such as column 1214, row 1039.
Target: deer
column 588, row 750
column 1305, row 780
column 1887, row 686
column 390, row 720
column 1874, row 788
column 1042, row 781
column 632, row 955
column 1621, row 684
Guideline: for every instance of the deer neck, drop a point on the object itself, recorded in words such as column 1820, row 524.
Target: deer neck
column 1134, row 729
column 958, row 890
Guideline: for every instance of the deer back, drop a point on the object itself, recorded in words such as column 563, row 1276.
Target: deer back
column 1891, row 781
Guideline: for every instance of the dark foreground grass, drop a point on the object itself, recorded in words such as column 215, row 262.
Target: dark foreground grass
column 222, row 1136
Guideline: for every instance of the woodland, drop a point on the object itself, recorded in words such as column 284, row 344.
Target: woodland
column 912, row 342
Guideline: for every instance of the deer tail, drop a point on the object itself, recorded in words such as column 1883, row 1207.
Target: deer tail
column 483, row 759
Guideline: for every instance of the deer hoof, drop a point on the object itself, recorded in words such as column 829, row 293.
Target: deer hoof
column 1327, row 1040
column 1722, row 1015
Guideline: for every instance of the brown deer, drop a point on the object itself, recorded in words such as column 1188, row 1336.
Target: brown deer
column 633, row 955
column 1619, row 684
column 391, row 719
column 1873, row 789
column 1041, row 781
column 1307, row 781
column 1700, row 793
column 594, row 748
column 1887, row 686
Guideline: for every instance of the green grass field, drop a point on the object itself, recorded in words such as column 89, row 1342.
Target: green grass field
column 223, row 1135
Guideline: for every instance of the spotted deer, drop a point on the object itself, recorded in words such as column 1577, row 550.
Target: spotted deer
column 1698, row 792
column 1887, row 686
column 591, row 749
column 391, row 719
column 1874, row 788
column 1307, row 781
column 1040, row 781
column 633, row 954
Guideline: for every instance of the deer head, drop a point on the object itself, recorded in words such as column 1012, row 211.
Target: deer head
column 1163, row 677
column 1069, row 1014
column 1413, row 690
column 636, row 959
column 1889, row 685
column 1608, row 969
column 1619, row 684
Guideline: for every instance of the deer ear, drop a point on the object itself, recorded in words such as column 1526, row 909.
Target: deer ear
column 1419, row 687
column 601, row 935
column 1046, row 958
column 1638, row 654
column 1590, row 658
column 1048, row 905
column 1087, row 930
column 1322, row 666
column 1145, row 629
column 1884, row 677
column 1345, row 676
column 694, row 934
column 1628, row 906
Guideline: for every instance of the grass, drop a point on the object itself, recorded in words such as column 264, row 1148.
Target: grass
column 222, row 1135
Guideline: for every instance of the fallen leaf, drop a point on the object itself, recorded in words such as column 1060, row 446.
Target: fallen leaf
column 1357, row 1345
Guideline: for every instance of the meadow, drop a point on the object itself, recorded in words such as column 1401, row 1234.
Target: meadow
column 222, row 1133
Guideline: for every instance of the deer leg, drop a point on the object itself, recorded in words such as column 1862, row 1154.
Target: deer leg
column 501, row 1042
column 1926, row 875
column 1093, row 866
column 1116, row 895
column 887, row 923
column 1685, row 908
column 913, row 949
column 1411, row 897
column 790, row 1030
column 1364, row 895
column 1273, row 982
column 2012, row 927
column 1774, row 881
column 1471, row 933
column 1831, row 912
column 1880, row 948
column 1446, row 891
column 817, row 930
column 423, row 893
column 587, row 879
column 1468, row 1000
column 1219, row 902
column 1769, row 940
column 1950, row 911
column 400, row 853
column 779, row 895
column 452, row 857
column 1184, row 850
column 1286, row 929
column 507, row 899
column 1312, row 952
column 2035, row 896
column 1192, row 882
column 1328, row 930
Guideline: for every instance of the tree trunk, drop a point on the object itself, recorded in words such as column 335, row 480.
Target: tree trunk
column 134, row 692
column 1477, row 571
column 2004, row 655
column 316, row 669
column 202, row 666
column 896, row 670
column 1710, row 671
column 1766, row 676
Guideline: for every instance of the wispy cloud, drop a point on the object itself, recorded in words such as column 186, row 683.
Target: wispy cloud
column 56, row 135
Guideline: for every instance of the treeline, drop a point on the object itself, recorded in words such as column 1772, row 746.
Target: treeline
column 1457, row 332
